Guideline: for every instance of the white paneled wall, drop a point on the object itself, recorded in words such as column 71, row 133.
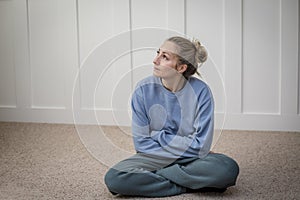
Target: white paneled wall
column 261, row 57
column 52, row 48
column 7, row 82
column 76, row 61
column 268, row 74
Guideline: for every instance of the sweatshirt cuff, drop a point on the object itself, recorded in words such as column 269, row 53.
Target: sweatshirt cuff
column 154, row 135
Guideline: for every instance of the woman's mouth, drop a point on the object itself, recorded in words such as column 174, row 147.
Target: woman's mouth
column 155, row 68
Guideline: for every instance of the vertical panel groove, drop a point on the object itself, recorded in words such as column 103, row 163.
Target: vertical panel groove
column 242, row 57
column 131, row 44
column 184, row 15
column 15, row 70
column 167, row 15
column 280, row 59
column 223, row 42
column 15, row 85
column 298, row 105
column 222, row 74
column 29, row 53
column 78, row 56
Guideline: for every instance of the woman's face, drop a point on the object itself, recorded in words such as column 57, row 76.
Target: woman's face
column 165, row 61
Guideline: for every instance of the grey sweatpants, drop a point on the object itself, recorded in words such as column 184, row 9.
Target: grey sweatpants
column 144, row 175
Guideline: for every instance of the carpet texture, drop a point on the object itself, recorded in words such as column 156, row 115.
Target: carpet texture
column 49, row 161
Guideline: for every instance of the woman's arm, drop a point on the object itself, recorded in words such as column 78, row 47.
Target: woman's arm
column 143, row 142
column 197, row 144
column 140, row 125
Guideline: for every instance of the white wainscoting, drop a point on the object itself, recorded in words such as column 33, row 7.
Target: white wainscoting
column 77, row 61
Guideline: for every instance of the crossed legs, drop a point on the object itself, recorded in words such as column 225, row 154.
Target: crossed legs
column 143, row 175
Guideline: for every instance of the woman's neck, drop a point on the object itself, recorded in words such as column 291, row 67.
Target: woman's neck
column 174, row 84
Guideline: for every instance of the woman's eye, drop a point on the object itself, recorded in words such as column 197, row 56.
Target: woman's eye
column 162, row 55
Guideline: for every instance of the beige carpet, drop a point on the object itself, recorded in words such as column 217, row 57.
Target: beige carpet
column 49, row 161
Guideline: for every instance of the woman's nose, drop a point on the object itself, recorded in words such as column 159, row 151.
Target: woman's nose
column 156, row 60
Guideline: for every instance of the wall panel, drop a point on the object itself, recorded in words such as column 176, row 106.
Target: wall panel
column 105, row 71
column 7, row 69
column 91, row 34
column 261, row 56
column 233, row 56
column 52, row 51
column 289, row 58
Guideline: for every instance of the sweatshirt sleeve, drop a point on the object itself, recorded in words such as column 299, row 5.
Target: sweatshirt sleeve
column 140, row 125
column 197, row 144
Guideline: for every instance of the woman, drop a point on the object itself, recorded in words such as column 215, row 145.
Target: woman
column 172, row 125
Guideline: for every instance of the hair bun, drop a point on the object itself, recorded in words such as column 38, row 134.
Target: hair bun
column 201, row 53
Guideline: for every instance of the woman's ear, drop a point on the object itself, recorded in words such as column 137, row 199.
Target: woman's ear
column 182, row 68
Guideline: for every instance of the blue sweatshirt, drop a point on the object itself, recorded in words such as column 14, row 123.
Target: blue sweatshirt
column 172, row 125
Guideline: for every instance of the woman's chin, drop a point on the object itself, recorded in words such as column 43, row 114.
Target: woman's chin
column 156, row 73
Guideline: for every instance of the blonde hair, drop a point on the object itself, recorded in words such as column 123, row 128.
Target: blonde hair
column 191, row 53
